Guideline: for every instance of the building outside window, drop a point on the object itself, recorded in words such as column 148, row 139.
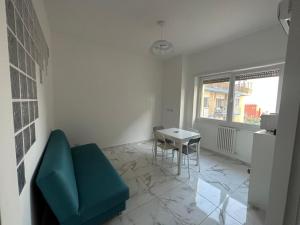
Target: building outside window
column 253, row 93
column 215, row 97
column 205, row 102
column 237, row 108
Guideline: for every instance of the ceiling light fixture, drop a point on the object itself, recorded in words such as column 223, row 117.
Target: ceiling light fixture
column 162, row 47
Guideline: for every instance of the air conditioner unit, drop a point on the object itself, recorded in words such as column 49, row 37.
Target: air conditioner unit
column 284, row 14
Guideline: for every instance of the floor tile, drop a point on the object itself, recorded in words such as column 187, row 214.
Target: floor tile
column 241, row 194
column 215, row 195
column 219, row 218
column 223, row 178
column 158, row 181
column 188, row 205
column 242, row 212
column 139, row 195
column 154, row 212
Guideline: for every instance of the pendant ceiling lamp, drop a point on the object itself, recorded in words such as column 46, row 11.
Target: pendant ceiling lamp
column 162, row 47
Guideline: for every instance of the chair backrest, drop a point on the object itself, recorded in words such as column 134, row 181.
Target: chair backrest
column 56, row 177
column 194, row 141
column 156, row 135
column 156, row 128
column 159, row 137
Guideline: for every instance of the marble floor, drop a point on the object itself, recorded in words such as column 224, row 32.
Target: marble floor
column 215, row 195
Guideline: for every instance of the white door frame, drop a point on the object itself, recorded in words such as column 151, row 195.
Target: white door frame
column 283, row 204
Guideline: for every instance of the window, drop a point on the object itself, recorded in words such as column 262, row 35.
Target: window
column 254, row 95
column 241, row 97
column 215, row 98
column 205, row 102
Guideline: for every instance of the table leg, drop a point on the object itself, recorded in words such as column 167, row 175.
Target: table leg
column 179, row 158
column 198, row 156
column 155, row 150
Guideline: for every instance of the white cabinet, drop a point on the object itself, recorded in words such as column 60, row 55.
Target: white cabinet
column 261, row 168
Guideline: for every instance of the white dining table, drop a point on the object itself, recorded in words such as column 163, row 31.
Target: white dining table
column 180, row 137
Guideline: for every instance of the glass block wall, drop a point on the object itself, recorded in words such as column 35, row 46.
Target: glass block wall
column 28, row 56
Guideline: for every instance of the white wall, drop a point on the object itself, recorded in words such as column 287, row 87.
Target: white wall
column 244, row 141
column 172, row 92
column 105, row 94
column 174, row 83
column 265, row 47
column 259, row 48
column 9, row 199
column 16, row 209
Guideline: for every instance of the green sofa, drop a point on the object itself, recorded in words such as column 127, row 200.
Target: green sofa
column 79, row 184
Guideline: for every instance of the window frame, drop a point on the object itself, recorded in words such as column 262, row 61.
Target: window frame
column 232, row 74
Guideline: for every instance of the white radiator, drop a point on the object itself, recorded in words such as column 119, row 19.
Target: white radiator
column 226, row 139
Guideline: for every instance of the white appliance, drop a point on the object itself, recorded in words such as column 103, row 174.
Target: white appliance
column 269, row 121
column 284, row 14
column 261, row 168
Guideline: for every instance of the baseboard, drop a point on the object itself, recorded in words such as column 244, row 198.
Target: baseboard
column 129, row 143
column 227, row 156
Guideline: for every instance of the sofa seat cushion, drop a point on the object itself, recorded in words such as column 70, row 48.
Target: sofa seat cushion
column 99, row 186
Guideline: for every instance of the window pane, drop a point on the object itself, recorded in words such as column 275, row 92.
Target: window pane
column 214, row 100
column 254, row 97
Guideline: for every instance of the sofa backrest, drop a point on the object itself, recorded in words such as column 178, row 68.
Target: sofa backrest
column 56, row 177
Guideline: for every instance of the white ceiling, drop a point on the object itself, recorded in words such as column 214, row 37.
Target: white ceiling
column 191, row 24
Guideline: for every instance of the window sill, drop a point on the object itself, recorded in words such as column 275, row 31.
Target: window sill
column 239, row 126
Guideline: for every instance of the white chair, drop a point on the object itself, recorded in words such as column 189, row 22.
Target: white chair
column 154, row 129
column 164, row 144
column 159, row 141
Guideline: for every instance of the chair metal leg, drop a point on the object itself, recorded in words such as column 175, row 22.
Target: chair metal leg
column 164, row 149
column 172, row 158
column 197, row 159
column 188, row 159
column 177, row 156
column 153, row 152
column 198, row 155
